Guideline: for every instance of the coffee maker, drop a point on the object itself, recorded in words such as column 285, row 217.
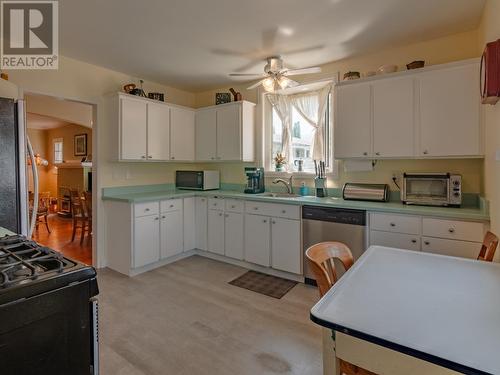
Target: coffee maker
column 255, row 180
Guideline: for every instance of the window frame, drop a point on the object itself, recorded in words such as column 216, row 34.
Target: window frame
column 54, row 141
column 332, row 165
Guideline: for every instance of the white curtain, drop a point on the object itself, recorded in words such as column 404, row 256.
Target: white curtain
column 281, row 104
column 312, row 107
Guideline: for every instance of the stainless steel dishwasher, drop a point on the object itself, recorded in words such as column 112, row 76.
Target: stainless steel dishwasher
column 321, row 224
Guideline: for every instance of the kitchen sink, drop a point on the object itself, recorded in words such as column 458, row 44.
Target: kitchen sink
column 279, row 195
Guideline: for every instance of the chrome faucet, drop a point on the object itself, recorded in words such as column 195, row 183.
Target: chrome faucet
column 288, row 184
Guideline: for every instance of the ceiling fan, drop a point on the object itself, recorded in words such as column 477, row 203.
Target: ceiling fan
column 275, row 75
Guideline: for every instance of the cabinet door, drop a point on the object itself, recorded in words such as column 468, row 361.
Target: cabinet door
column 258, row 240
column 206, row 134
column 233, row 232
column 352, row 134
column 286, row 245
column 181, row 134
column 158, row 132
column 146, row 240
column 133, row 117
column 216, row 231
column 229, row 132
column 172, row 234
column 454, row 248
column 201, row 222
column 189, row 223
column 397, row 240
column 449, row 112
column 393, row 117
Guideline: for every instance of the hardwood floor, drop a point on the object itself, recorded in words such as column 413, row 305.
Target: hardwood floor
column 60, row 239
column 185, row 319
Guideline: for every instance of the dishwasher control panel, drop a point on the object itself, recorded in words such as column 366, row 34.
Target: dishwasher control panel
column 336, row 215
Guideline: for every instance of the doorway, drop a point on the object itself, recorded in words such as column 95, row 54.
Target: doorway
column 61, row 133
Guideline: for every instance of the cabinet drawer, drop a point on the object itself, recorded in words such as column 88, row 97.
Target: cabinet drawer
column 456, row 230
column 147, row 208
column 398, row 240
column 216, row 204
column 234, row 205
column 273, row 209
column 395, row 223
column 455, row 248
column 171, row 205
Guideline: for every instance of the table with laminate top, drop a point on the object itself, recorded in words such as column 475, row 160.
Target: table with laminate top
column 399, row 311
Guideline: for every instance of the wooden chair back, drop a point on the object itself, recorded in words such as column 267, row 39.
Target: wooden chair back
column 321, row 258
column 87, row 201
column 488, row 248
column 76, row 203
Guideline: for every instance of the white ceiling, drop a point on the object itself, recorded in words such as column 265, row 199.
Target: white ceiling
column 193, row 44
column 41, row 122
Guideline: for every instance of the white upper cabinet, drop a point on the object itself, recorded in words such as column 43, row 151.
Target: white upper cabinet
column 225, row 132
column 393, row 117
column 181, row 134
column 150, row 130
column 229, row 133
column 450, row 112
column 158, row 132
column 429, row 112
column 206, row 134
column 352, row 136
column 133, row 120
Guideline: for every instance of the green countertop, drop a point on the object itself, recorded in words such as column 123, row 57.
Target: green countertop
column 466, row 213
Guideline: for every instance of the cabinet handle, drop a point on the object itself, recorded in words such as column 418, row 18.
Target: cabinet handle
column 146, row 209
column 425, row 152
column 365, row 153
column 171, row 206
column 264, row 221
column 212, row 158
column 157, row 218
column 273, row 222
column 226, row 215
column 283, row 211
column 172, row 157
column 163, row 217
column 377, row 153
column 150, row 157
column 233, row 206
column 427, row 243
column 220, row 214
column 392, row 224
column 143, row 157
column 256, row 208
column 451, row 230
column 414, row 241
column 203, row 199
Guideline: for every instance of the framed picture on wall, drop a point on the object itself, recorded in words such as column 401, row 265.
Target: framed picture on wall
column 80, row 146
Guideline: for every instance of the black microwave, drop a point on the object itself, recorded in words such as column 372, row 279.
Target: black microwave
column 197, row 180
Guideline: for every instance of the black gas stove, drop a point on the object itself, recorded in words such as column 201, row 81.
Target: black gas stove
column 47, row 310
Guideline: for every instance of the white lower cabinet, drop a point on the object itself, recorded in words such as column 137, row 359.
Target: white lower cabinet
column 201, row 222
column 171, row 233
column 216, row 231
column 189, row 210
column 258, row 239
column 233, row 235
column 398, row 240
column 433, row 235
column 286, row 246
column 146, row 240
column 455, row 248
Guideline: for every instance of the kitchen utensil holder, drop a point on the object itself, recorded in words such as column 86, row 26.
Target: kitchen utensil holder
column 320, row 185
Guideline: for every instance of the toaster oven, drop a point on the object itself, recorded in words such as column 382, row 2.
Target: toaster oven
column 432, row 189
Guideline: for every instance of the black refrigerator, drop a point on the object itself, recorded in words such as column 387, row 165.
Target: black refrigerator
column 13, row 188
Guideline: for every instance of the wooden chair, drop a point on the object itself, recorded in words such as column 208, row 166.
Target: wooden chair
column 321, row 256
column 80, row 218
column 490, row 244
column 87, row 200
column 42, row 212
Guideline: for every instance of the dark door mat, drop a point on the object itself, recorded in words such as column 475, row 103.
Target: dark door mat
column 268, row 285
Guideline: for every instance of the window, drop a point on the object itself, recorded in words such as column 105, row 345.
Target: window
column 58, row 150
column 302, row 139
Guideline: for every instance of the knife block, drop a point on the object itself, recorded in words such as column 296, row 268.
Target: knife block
column 320, row 185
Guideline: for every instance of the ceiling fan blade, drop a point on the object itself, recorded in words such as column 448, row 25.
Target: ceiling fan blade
column 296, row 72
column 257, row 84
column 302, row 50
column 247, row 75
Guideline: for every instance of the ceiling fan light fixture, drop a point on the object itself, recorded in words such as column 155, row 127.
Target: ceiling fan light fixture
column 285, row 82
column 268, row 84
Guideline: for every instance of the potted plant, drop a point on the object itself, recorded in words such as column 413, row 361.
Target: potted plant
column 279, row 161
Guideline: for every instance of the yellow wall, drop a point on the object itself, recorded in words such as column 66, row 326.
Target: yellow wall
column 450, row 48
column 38, row 140
column 67, row 133
column 490, row 30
